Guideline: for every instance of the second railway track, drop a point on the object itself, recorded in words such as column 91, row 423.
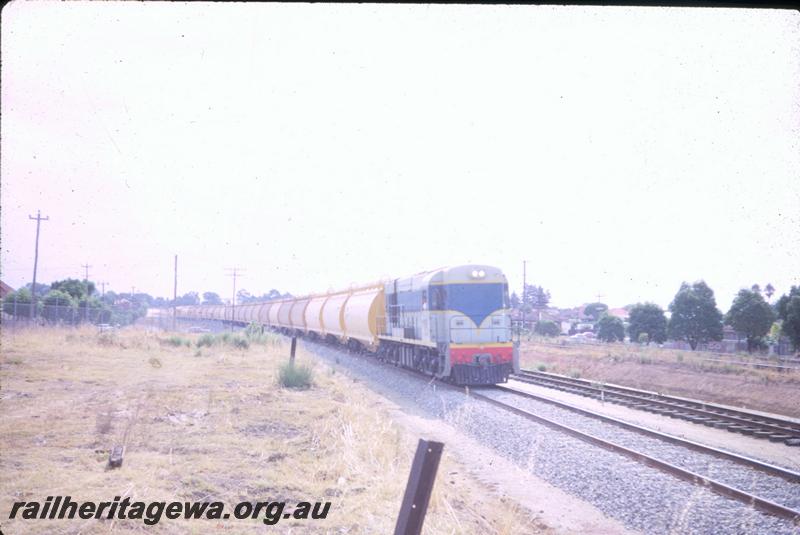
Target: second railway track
column 769, row 488
column 753, row 424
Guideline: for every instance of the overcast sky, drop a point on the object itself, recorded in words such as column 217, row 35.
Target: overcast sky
column 619, row 150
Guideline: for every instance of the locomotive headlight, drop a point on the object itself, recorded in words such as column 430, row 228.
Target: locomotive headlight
column 474, row 273
column 481, row 274
column 478, row 274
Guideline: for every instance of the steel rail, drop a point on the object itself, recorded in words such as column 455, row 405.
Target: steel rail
column 745, row 418
column 771, row 469
column 762, row 504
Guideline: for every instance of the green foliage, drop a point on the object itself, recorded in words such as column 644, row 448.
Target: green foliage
column 240, row 342
column 695, row 317
column 547, row 328
column 176, row 341
column 788, row 309
column 541, row 367
column 751, row 316
column 610, row 329
column 647, row 319
column 595, row 310
column 791, row 325
column 207, row 340
column 515, row 301
column 535, row 297
column 60, row 306
column 211, row 298
column 19, row 303
column 77, row 289
column 292, row 376
column 575, row 374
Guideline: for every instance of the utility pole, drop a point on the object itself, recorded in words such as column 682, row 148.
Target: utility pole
column 86, row 272
column 38, row 219
column 103, row 286
column 175, row 294
column 234, row 272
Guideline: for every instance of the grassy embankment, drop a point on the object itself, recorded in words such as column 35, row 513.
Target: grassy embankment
column 209, row 423
column 670, row 371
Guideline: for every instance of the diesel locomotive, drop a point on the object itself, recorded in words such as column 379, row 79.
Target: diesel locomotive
column 452, row 323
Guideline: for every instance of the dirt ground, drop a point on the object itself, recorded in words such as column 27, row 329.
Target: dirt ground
column 212, row 424
column 680, row 373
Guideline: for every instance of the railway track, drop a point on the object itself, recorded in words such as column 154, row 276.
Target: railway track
column 762, row 478
column 709, row 414
column 767, row 488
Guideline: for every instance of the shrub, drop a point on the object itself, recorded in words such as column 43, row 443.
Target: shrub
column 547, row 328
column 541, row 367
column 240, row 342
column 575, row 374
column 176, row 341
column 107, row 338
column 206, row 340
column 292, row 376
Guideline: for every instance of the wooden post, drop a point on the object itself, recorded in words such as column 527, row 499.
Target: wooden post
column 419, row 487
column 294, row 348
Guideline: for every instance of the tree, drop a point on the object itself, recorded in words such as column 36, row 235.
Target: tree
column 189, row 298
column 769, row 290
column 648, row 319
column 515, row 302
column 788, row 309
column 211, row 298
column 535, row 297
column 610, row 328
column 77, row 289
column 58, row 305
column 595, row 310
column 695, row 317
column 751, row 316
column 756, row 288
column 19, row 303
column 547, row 328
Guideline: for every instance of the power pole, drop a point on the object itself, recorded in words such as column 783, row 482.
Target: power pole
column 38, row 219
column 86, row 272
column 103, row 286
column 175, row 294
column 234, row 272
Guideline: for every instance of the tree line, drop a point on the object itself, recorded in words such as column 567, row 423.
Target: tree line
column 74, row 300
column 694, row 317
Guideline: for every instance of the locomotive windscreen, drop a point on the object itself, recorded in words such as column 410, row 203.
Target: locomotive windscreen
column 474, row 300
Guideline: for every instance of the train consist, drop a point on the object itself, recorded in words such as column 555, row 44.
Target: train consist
column 452, row 323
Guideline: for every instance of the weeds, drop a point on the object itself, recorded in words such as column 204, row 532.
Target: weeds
column 207, row 340
column 104, row 339
column 575, row 374
column 541, row 367
column 240, row 342
column 177, row 341
column 292, row 376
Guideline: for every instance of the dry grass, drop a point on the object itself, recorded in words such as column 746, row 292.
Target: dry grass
column 670, row 371
column 209, row 424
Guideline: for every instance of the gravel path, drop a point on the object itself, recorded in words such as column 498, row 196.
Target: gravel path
column 642, row 498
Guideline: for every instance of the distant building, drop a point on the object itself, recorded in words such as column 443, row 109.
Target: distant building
column 5, row 289
column 621, row 313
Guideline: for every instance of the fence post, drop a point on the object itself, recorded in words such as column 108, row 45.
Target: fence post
column 294, row 348
column 419, row 487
